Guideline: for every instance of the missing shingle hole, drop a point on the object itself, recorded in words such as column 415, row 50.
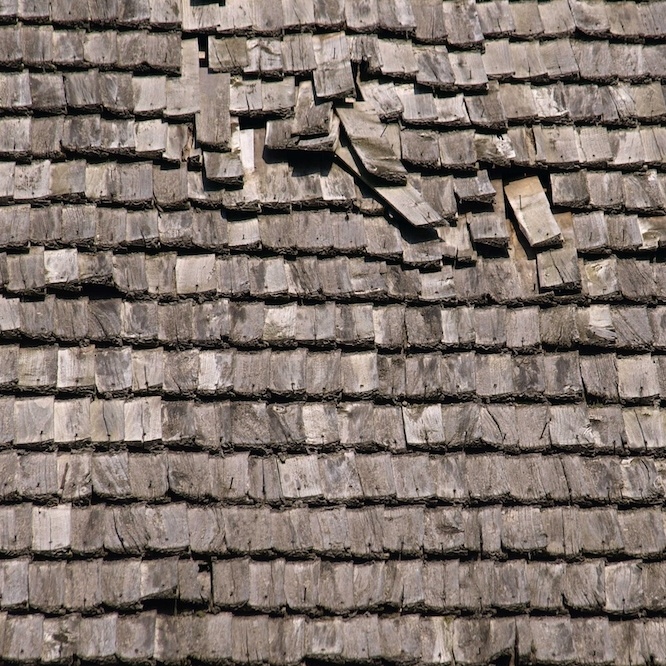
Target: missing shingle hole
column 203, row 50
column 504, row 660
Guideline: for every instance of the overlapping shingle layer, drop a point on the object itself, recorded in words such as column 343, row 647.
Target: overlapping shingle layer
column 332, row 331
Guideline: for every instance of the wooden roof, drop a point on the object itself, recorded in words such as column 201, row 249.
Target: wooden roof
column 332, row 332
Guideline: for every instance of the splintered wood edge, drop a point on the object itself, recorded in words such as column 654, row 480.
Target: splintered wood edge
column 421, row 214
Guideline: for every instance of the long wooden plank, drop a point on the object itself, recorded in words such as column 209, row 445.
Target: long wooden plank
column 404, row 200
column 367, row 137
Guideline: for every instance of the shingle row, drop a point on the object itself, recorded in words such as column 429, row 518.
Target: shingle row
column 572, row 59
column 449, row 22
column 434, row 66
column 102, row 228
column 608, row 280
column 314, row 585
column 321, row 232
column 361, row 325
column 91, row 136
column 599, row 232
column 620, row 588
column 108, row 181
column 119, row 371
column 557, row 146
column 429, row 22
column 532, row 20
column 158, row 13
column 634, row 192
column 562, row 147
column 141, row 183
column 369, row 532
column 334, row 478
column 169, row 275
column 52, row 587
column 258, row 425
column 518, row 104
column 458, row 24
column 306, row 231
column 154, row 95
column 299, row 232
column 42, row 46
column 165, row 276
column 211, row 638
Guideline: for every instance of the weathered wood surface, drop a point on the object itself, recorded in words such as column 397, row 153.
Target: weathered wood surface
column 354, row 405
column 366, row 134
column 406, row 201
column 532, row 210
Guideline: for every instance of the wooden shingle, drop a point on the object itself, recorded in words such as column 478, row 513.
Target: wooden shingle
column 189, row 475
column 641, row 532
column 530, row 206
column 339, row 475
column 462, row 24
column 403, row 529
column 590, row 17
column 429, row 23
column 528, row 375
column 423, row 425
column 36, row 44
column 23, row 637
column 637, row 378
column 367, row 138
column 496, row 18
column 332, row 78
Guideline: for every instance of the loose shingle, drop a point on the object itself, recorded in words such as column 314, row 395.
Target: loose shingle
column 366, row 134
column 333, row 76
column 477, row 189
column 530, row 206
